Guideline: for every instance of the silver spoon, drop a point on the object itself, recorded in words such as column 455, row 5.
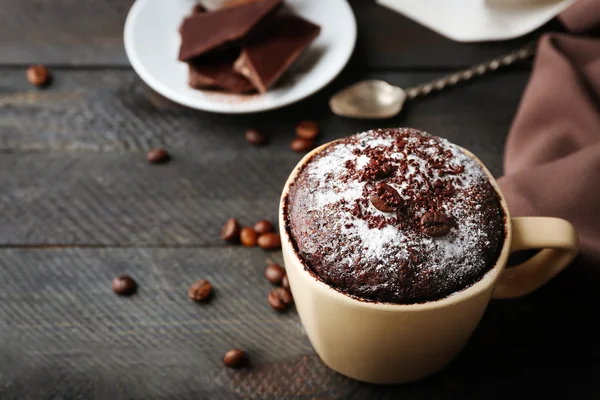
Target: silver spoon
column 375, row 99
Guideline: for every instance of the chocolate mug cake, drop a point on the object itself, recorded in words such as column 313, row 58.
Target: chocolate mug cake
column 395, row 215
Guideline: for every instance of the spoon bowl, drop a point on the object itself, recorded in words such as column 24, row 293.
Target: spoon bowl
column 369, row 99
column 376, row 99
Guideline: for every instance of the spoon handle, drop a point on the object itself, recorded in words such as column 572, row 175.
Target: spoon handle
column 469, row 73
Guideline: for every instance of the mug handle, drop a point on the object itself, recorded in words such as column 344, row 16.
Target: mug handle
column 559, row 243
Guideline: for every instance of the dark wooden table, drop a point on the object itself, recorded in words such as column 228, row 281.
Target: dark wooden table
column 80, row 205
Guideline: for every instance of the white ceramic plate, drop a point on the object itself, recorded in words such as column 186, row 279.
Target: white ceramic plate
column 479, row 20
column 152, row 45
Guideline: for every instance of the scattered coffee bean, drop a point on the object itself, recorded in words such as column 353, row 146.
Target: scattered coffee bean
column 269, row 241
column 248, row 237
column 285, row 283
column 124, row 285
column 274, row 273
column 158, row 156
column 234, row 358
column 386, row 198
column 264, row 226
column 280, row 299
column 300, row 145
column 38, row 75
column 435, row 224
column 231, row 230
column 200, row 291
column 255, row 138
column 307, row 130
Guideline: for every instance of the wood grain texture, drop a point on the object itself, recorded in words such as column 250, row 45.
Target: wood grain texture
column 74, row 169
column 66, row 32
column 118, row 199
column 114, row 110
column 88, row 32
column 73, row 172
column 63, row 332
column 91, row 110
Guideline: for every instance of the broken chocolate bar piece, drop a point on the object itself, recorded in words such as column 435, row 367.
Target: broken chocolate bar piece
column 217, row 73
column 197, row 9
column 204, row 32
column 266, row 58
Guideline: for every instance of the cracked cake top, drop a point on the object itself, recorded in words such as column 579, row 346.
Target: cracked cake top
column 395, row 215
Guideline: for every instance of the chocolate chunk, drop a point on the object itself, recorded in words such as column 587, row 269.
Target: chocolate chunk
column 216, row 72
column 435, row 224
column 267, row 57
column 376, row 169
column 383, row 171
column 205, row 32
column 197, row 9
column 386, row 198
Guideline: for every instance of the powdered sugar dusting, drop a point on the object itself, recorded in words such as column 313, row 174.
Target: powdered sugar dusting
column 386, row 255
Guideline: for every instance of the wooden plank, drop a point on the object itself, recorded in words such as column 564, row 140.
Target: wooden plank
column 87, row 32
column 74, row 172
column 63, row 331
column 91, row 110
column 65, row 32
column 118, row 199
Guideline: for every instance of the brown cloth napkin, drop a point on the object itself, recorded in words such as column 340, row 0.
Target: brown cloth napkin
column 552, row 159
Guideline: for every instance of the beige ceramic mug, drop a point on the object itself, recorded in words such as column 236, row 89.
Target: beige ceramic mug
column 393, row 343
